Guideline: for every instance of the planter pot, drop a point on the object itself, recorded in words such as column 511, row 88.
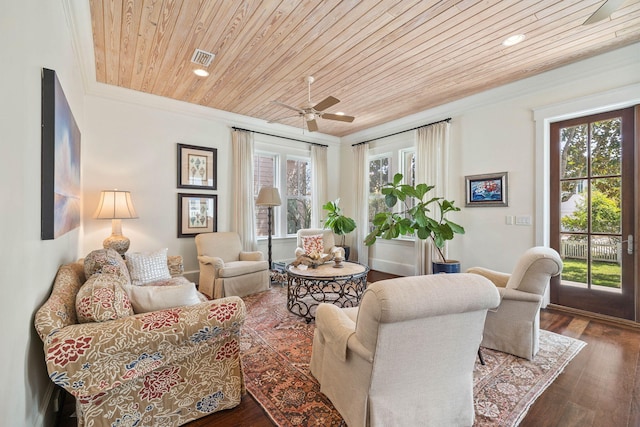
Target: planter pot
column 347, row 251
column 450, row 266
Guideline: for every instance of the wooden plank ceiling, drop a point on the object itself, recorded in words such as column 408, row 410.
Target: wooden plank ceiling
column 384, row 59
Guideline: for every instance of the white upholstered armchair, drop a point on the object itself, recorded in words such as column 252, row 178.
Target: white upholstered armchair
column 514, row 327
column 405, row 357
column 226, row 270
column 306, row 239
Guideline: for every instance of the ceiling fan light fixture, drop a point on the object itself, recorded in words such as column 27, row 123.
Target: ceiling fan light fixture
column 513, row 40
column 309, row 116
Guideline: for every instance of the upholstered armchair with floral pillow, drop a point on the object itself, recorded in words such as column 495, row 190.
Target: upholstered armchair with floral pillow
column 317, row 240
column 164, row 367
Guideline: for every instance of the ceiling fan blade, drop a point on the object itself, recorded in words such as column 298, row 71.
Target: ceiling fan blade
column 604, row 11
column 329, row 101
column 282, row 104
column 338, row 117
column 312, row 125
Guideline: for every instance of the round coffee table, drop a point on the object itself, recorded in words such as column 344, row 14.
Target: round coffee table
column 306, row 289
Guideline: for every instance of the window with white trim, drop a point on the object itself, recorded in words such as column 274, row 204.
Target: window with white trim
column 379, row 174
column 264, row 175
column 287, row 166
column 298, row 194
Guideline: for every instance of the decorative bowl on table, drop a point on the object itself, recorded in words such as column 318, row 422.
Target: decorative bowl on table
column 312, row 260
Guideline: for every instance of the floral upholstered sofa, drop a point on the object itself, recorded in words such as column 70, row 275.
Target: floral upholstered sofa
column 158, row 368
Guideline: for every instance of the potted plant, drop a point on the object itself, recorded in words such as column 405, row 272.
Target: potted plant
column 414, row 219
column 339, row 223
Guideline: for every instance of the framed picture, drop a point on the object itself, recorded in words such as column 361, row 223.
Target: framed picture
column 60, row 162
column 197, row 213
column 197, row 167
column 487, row 190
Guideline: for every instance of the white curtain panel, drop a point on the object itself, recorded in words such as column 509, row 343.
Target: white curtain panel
column 243, row 216
column 432, row 160
column 318, row 183
column 361, row 180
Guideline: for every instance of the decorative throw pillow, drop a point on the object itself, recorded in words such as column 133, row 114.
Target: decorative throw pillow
column 102, row 298
column 147, row 267
column 152, row 298
column 105, row 261
column 312, row 244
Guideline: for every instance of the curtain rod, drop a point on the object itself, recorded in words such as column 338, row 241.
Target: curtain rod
column 278, row 136
column 403, row 131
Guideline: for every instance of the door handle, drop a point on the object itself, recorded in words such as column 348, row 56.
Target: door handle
column 629, row 243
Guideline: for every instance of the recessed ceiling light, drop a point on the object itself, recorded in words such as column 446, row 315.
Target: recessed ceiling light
column 200, row 72
column 515, row 39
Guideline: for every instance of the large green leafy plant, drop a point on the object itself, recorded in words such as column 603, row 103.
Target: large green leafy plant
column 337, row 221
column 414, row 218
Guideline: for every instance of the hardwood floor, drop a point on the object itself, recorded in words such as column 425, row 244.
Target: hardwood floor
column 599, row 388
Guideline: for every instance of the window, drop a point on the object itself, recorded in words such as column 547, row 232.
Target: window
column 408, row 167
column 264, row 175
column 287, row 167
column 298, row 195
column 387, row 157
column 379, row 174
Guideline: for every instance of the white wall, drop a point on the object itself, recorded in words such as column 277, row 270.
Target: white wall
column 133, row 146
column 33, row 34
column 495, row 131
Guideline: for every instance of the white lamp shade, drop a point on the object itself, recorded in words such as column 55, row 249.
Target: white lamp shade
column 268, row 196
column 115, row 204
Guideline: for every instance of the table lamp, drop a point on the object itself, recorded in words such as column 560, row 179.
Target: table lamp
column 269, row 197
column 116, row 206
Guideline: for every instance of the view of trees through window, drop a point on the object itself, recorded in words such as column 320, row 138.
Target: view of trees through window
column 264, row 174
column 295, row 192
column 379, row 174
column 590, row 209
column 298, row 196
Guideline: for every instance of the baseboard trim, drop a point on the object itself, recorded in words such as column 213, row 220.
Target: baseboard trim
column 391, row 267
column 596, row 316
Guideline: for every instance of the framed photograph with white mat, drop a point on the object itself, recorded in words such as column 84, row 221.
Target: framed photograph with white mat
column 197, row 213
column 197, row 167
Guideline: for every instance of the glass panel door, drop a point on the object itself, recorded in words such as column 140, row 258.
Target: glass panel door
column 592, row 212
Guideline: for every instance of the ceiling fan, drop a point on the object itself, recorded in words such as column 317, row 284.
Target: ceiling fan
column 604, row 11
column 310, row 112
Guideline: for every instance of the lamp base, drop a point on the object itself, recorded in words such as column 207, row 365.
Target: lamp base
column 118, row 243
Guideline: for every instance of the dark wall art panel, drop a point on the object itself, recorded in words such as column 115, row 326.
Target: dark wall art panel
column 60, row 209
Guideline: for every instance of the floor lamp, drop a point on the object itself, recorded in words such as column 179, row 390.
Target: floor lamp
column 269, row 197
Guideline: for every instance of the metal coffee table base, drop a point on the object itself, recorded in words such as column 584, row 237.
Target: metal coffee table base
column 304, row 294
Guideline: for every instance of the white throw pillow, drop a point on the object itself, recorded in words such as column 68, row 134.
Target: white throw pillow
column 152, row 298
column 147, row 267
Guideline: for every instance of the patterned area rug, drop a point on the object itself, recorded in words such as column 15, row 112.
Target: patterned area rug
column 276, row 350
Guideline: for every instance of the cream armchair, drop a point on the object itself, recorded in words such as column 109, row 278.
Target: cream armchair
column 225, row 269
column 329, row 245
column 405, row 357
column 514, row 327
